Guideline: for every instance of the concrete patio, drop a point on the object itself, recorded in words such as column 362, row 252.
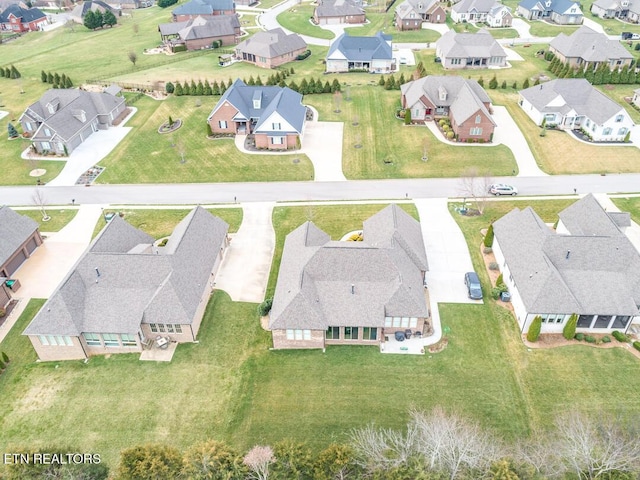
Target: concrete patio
column 156, row 354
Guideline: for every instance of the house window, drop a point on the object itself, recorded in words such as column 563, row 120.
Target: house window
column 47, row 132
column 298, row 334
column 455, row 61
column 276, row 140
column 416, row 113
column 413, row 322
column 584, row 321
column 333, row 333
column 475, row 131
column 128, row 340
column 110, row 340
column 263, row 59
column 388, row 321
column 154, row 327
column 45, row 145
column 178, row 328
column 397, row 321
column 351, row 333
column 622, row 131
column 369, row 333
column 478, row 118
column 161, row 328
column 602, row 321
column 290, row 334
column 27, row 126
column 588, row 123
column 170, row 328
column 276, row 126
column 607, row 131
column 222, row 123
column 92, row 339
column 43, row 340
column 621, row 321
column 619, row 118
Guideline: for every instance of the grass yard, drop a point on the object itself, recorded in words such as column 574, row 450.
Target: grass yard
column 59, row 217
column 391, row 150
column 383, row 22
column 145, row 156
column 629, row 204
column 560, row 153
column 297, row 19
column 495, row 32
column 619, row 94
column 160, row 223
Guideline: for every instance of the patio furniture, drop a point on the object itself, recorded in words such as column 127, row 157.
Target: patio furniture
column 162, row 342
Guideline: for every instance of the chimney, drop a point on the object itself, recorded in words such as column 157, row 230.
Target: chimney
column 353, row 289
column 568, row 253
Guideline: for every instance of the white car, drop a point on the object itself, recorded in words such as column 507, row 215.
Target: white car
column 503, row 189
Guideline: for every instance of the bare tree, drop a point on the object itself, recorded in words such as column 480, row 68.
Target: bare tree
column 591, row 449
column 537, row 453
column 70, row 25
column 133, row 57
column 337, row 101
column 182, row 151
column 136, row 28
column 425, row 149
column 40, row 200
column 475, row 185
column 258, row 459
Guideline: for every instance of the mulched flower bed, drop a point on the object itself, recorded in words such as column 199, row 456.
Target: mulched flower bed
column 166, row 128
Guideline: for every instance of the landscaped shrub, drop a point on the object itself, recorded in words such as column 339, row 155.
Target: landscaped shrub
column 163, row 242
column 579, row 336
column 606, row 339
column 304, row 55
column 450, row 134
column 487, row 250
column 590, row 339
column 265, row 307
column 1, row 365
column 407, row 117
column 496, row 292
column 636, row 345
column 569, row 329
column 493, row 266
column 3, row 312
column 621, row 337
column 534, row 329
column 166, row 3
column 169, row 87
column 179, row 48
column 500, row 280
column 5, row 357
column 488, row 238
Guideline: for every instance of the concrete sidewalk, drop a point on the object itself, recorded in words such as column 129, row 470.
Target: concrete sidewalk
column 245, row 269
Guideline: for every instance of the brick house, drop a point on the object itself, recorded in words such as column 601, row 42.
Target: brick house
column 274, row 115
column 19, row 238
column 125, row 291
column 15, row 18
column 271, row 48
column 463, row 101
column 203, row 8
column 410, row 14
column 200, row 32
column 334, row 12
column 350, row 293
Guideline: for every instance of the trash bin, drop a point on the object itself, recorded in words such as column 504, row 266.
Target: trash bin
column 505, row 296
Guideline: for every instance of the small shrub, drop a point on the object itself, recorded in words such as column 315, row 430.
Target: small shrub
column 3, row 312
column 494, row 266
column 265, row 307
column 534, row 329
column 621, row 337
column 579, row 336
column 5, row 357
column 496, row 292
column 488, row 238
column 606, row 339
column 500, row 280
column 450, row 134
column 636, row 345
column 569, row 329
column 2, row 365
column 589, row 339
column 163, row 242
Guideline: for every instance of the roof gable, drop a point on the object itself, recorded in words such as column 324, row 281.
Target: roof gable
column 15, row 229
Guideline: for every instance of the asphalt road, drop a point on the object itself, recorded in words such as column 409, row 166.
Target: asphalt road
column 206, row 193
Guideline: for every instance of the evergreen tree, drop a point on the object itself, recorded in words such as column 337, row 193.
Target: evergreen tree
column 5, row 358
column 7, row 72
column 407, row 116
column 1, row 365
column 56, row 79
column 199, row 88
column 312, row 86
column 515, row 85
column 178, row 90
column 222, row 88
column 327, row 87
column 109, row 18
column 207, row 88
column 615, row 76
column 294, row 86
column 277, row 78
column 319, row 87
column 49, row 77
column 1, row 72
column 525, row 84
column 68, row 83
column 292, row 71
column 624, row 74
column 481, row 82
column 304, row 87
column 335, row 86
column 387, row 84
column 282, row 83
column 14, row 72
column 493, row 83
column 606, row 75
column 229, row 84
column 504, row 84
column 488, row 238
column 259, row 80
column 89, row 21
column 534, row 329
column 401, row 80
column 169, row 87
column 63, row 80
column 43, row 76
column 589, row 75
column 569, row 330
column 13, row 133
column 537, row 82
column 251, row 81
column 99, row 19
column 215, row 88
column 381, row 82
column 193, row 89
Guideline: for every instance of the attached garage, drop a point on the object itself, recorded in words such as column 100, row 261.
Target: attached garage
column 14, row 264
column 19, row 237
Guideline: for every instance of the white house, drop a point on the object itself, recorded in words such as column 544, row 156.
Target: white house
column 572, row 104
column 372, row 54
column 586, row 267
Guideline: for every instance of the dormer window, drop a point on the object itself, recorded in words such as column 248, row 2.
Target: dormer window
column 619, row 118
column 257, row 100
column 442, row 93
column 478, row 119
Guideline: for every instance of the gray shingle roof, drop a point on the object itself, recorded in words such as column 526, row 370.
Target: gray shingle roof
column 377, row 47
column 463, row 45
column 599, row 275
column 572, row 93
column 272, row 43
column 79, row 11
column 65, row 121
column 325, row 283
column 419, row 7
column 26, row 14
column 14, row 231
column 283, row 100
column 480, row 6
column 152, row 285
column 589, row 45
column 587, row 218
column 203, row 7
column 558, row 6
column 202, row 27
column 337, row 8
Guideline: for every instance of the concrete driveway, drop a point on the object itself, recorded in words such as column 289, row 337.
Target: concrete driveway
column 244, row 272
column 322, row 142
column 441, row 28
column 41, row 274
column 447, row 252
column 268, row 21
column 522, row 27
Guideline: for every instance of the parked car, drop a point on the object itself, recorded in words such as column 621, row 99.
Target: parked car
column 503, row 189
column 474, row 289
column 437, row 60
column 626, row 35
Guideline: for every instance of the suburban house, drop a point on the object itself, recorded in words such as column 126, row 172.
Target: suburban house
column 203, row 8
column 19, row 238
column 410, row 14
column 274, row 115
column 588, row 49
column 341, row 292
column 572, row 104
column 478, row 11
column 562, row 12
column 470, row 50
column 129, row 4
column 80, row 10
column 125, row 291
column 636, row 97
column 586, row 267
column 622, row 9
column 371, row 54
column 64, row 118
column 463, row 101
column 200, row 32
column 334, row 12
column 271, row 48
column 16, row 18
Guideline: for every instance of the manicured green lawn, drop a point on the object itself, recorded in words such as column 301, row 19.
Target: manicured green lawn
column 495, row 32
column 619, row 93
column 398, row 152
column 59, row 218
column 145, row 156
column 297, row 19
column 629, row 204
column 383, row 22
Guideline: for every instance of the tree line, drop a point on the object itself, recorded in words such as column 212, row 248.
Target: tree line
column 55, row 79
column 603, row 74
column 96, row 19
column 10, row 72
column 434, row 445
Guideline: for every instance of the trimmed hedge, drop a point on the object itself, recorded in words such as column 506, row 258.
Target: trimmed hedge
column 579, row 337
column 621, row 337
column 304, row 55
column 606, row 339
column 534, row 329
column 265, row 307
column 590, row 339
column 636, row 345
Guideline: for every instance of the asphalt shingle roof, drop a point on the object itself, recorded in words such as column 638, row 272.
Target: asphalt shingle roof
column 272, row 43
column 152, row 285
column 361, row 49
column 480, row 6
column 337, row 8
column 589, row 45
column 465, row 45
column 325, row 283
column 14, row 231
column 203, row 7
column 419, row 7
column 26, row 14
column 564, row 94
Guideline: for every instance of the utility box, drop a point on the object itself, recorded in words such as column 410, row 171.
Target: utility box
column 505, row 296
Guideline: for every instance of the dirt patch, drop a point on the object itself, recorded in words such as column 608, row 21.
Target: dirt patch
column 438, row 347
column 41, row 395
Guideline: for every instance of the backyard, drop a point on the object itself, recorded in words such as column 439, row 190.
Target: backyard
column 230, row 387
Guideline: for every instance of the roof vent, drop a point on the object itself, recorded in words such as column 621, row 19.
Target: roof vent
column 568, row 253
column 353, row 289
column 97, row 274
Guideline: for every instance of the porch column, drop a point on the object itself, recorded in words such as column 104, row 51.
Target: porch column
column 613, row 318
column 593, row 321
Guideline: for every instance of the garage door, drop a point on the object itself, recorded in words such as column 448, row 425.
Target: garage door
column 334, row 20
column 31, row 245
column 14, row 264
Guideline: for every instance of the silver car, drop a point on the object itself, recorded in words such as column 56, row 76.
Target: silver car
column 503, row 189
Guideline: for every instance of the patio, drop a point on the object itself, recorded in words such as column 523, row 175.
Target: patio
column 157, row 354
